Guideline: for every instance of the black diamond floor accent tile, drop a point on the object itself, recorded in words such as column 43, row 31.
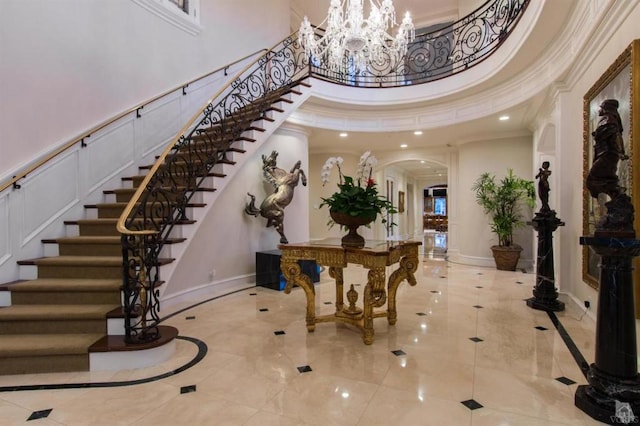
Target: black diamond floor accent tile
column 304, row 369
column 442, row 276
column 264, row 309
column 565, row 380
column 541, row 328
column 478, row 306
column 357, row 285
column 253, row 294
column 190, row 318
column 420, row 314
column 328, row 303
column 435, row 291
column 479, row 286
column 279, row 333
column 398, row 352
column 476, row 339
column 42, row 414
column 480, row 273
column 519, row 282
column 472, row 404
column 188, row 389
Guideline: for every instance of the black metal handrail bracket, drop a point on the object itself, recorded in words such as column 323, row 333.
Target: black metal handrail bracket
column 436, row 54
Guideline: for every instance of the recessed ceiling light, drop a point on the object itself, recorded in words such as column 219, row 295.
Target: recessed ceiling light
column 344, row 134
column 404, row 145
column 421, row 161
column 504, row 117
column 417, row 132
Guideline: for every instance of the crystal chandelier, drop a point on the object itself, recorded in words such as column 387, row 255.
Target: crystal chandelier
column 362, row 41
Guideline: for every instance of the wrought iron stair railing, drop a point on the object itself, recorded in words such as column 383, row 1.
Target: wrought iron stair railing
column 160, row 202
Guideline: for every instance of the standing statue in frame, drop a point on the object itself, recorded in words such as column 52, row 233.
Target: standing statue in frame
column 608, row 150
column 272, row 208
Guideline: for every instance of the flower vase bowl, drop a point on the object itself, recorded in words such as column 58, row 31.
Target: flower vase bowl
column 352, row 239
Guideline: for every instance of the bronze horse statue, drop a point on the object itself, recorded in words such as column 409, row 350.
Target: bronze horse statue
column 272, row 208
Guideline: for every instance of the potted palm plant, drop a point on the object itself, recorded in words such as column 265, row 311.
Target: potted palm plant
column 502, row 201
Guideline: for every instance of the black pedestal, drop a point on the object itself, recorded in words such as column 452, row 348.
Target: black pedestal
column 268, row 272
column 613, row 393
column 545, row 294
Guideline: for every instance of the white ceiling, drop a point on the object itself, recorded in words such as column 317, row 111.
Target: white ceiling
column 438, row 139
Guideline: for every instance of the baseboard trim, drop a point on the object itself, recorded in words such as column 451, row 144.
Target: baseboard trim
column 174, row 302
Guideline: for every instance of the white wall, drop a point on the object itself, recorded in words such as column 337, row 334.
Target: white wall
column 493, row 156
column 227, row 239
column 68, row 65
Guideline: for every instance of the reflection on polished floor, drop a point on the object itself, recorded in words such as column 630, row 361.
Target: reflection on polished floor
column 466, row 350
column 434, row 244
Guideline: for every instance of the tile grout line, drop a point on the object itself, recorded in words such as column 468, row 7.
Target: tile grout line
column 583, row 365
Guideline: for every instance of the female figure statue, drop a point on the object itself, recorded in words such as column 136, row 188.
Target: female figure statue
column 543, row 186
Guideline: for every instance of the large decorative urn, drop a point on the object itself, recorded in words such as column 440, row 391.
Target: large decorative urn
column 352, row 223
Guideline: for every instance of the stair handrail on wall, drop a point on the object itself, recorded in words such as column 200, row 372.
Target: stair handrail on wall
column 14, row 181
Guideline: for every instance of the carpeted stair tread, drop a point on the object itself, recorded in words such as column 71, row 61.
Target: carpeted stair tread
column 67, row 285
column 54, row 312
column 100, row 239
column 88, row 239
column 74, row 261
column 13, row 345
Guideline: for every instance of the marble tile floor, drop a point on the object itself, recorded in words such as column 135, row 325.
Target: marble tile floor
column 466, row 350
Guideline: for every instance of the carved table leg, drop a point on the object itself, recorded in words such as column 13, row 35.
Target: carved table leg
column 408, row 265
column 336, row 274
column 374, row 296
column 293, row 274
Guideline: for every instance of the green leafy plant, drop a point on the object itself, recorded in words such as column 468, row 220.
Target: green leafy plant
column 357, row 197
column 502, row 201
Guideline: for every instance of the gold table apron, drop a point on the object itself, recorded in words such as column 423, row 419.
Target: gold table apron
column 375, row 256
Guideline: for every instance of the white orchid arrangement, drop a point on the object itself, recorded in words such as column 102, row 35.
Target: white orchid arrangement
column 359, row 196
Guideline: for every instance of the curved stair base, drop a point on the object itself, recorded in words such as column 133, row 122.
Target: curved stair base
column 112, row 353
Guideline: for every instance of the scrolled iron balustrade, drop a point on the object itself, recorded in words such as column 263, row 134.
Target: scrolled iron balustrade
column 162, row 201
column 165, row 194
column 440, row 53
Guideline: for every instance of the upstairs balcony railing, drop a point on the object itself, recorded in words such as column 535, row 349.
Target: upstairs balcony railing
column 436, row 54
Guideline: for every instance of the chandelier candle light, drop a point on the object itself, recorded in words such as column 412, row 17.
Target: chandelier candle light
column 361, row 41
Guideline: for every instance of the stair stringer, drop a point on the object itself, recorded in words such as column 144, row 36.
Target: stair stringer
column 171, row 299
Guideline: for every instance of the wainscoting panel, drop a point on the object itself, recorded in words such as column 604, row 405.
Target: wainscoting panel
column 5, row 250
column 49, row 194
column 58, row 190
column 160, row 122
column 108, row 154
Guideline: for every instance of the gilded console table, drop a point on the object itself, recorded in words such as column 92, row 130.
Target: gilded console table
column 374, row 256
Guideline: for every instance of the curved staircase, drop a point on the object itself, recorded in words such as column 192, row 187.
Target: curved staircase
column 69, row 303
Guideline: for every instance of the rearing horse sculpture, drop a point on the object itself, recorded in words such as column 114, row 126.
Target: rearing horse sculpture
column 272, row 208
